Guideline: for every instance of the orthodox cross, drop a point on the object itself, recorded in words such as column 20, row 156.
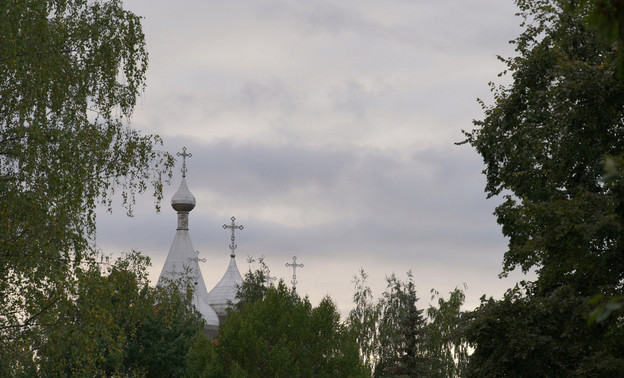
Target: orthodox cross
column 196, row 259
column 173, row 271
column 233, row 227
column 294, row 277
column 184, row 156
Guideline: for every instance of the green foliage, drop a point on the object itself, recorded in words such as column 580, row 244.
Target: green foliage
column 605, row 309
column 255, row 284
column 607, row 17
column 167, row 333
column 524, row 335
column 535, row 142
column 394, row 337
column 446, row 346
column 203, row 360
column 546, row 142
column 401, row 331
column 362, row 321
column 71, row 72
column 273, row 332
column 115, row 324
column 89, row 331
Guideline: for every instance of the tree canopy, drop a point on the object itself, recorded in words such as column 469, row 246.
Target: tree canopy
column 71, row 73
column 607, row 17
column 274, row 332
column 545, row 141
column 396, row 338
column 113, row 324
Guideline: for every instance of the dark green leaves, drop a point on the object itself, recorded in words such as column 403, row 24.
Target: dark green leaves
column 71, row 73
column 274, row 332
column 544, row 142
column 547, row 142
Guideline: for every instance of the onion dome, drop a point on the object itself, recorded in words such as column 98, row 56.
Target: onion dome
column 224, row 292
column 183, row 199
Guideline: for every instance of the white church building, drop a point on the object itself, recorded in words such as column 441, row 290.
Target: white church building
column 183, row 261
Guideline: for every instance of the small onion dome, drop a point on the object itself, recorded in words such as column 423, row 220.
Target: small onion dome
column 210, row 316
column 183, row 199
column 225, row 290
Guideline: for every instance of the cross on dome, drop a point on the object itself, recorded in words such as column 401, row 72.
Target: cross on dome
column 196, row 258
column 294, row 276
column 183, row 200
column 173, row 272
column 233, row 227
column 184, row 156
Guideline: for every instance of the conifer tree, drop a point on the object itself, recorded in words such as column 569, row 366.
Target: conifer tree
column 401, row 330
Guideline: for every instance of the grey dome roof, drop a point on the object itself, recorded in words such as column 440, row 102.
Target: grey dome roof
column 182, row 260
column 183, row 199
column 225, row 290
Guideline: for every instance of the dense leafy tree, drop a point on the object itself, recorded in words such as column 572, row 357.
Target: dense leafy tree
column 117, row 325
column 161, row 345
column 273, row 332
column 202, row 359
column 528, row 335
column 71, row 72
column 607, row 16
column 87, row 334
column 544, row 142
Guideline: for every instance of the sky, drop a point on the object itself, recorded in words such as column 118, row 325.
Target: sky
column 328, row 129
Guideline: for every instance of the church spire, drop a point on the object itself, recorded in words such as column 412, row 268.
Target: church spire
column 183, row 200
column 183, row 261
column 224, row 292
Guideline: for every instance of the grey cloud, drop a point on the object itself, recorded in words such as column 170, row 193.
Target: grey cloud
column 429, row 209
column 319, row 17
column 257, row 95
column 364, row 187
column 353, row 96
column 304, row 85
column 448, row 25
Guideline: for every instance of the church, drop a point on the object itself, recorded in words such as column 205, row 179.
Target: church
column 183, row 261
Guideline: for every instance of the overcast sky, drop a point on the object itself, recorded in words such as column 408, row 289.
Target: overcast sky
column 327, row 128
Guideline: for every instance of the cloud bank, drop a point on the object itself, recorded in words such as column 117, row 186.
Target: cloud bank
column 328, row 130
